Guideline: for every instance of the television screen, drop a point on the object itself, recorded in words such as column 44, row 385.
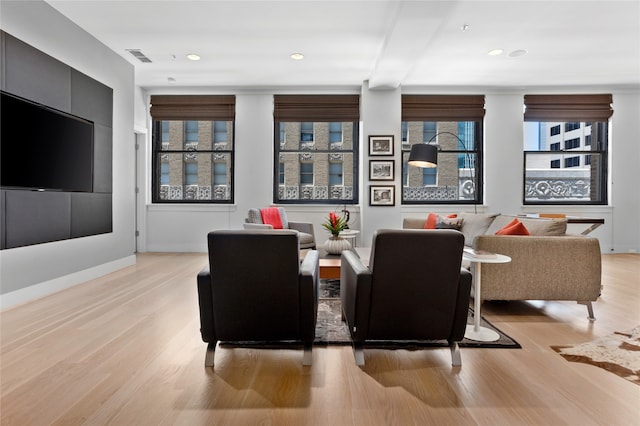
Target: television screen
column 44, row 149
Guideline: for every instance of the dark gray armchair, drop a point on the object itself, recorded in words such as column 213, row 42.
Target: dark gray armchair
column 413, row 289
column 256, row 289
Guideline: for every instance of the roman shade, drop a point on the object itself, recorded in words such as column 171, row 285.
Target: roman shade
column 568, row 107
column 316, row 107
column 193, row 107
column 442, row 107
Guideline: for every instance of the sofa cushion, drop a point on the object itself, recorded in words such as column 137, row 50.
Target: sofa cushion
column 515, row 227
column 535, row 226
column 474, row 225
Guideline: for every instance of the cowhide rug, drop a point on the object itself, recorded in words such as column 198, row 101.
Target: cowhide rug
column 618, row 353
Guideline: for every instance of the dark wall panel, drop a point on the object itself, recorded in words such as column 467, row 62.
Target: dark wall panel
column 102, row 159
column 91, row 214
column 36, row 76
column 91, row 99
column 34, row 217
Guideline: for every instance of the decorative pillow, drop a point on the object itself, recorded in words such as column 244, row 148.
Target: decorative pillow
column 515, row 227
column 475, row 224
column 435, row 221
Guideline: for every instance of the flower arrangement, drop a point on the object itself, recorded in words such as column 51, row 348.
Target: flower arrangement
column 335, row 224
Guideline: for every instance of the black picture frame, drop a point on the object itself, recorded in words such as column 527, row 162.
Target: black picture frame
column 380, row 145
column 381, row 169
column 382, row 195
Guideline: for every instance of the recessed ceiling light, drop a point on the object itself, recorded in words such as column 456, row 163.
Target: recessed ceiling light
column 495, row 52
column 297, row 56
column 193, row 57
column 519, row 52
column 464, row 27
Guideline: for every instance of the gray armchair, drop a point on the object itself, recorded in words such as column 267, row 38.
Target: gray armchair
column 256, row 289
column 413, row 289
column 307, row 236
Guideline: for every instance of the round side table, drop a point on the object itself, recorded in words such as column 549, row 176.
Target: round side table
column 476, row 331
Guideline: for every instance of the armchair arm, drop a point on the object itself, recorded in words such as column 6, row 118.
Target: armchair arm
column 462, row 306
column 305, row 227
column 205, row 302
column 257, row 226
column 308, row 279
column 355, row 294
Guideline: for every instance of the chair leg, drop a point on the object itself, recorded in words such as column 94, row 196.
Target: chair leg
column 211, row 351
column 358, row 353
column 456, row 359
column 307, row 357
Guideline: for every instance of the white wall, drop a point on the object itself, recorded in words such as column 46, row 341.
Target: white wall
column 182, row 227
column 36, row 270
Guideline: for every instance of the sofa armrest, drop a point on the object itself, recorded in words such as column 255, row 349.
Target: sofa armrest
column 541, row 268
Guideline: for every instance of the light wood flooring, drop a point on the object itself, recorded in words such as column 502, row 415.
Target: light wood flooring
column 125, row 349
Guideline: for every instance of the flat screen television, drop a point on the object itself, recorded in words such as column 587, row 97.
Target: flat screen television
column 42, row 148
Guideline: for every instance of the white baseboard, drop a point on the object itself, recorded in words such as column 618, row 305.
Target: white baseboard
column 36, row 291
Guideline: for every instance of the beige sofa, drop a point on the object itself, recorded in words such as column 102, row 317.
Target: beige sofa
column 546, row 265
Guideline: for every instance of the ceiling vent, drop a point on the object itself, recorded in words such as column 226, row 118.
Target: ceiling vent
column 138, row 54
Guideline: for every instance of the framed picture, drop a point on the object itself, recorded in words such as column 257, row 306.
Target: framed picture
column 381, row 169
column 381, row 145
column 381, row 195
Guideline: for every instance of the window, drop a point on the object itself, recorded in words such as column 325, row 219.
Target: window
column 306, row 132
column 555, row 130
column 306, row 174
column 335, row 174
column 455, row 124
column 571, row 126
column 560, row 177
column 572, row 162
column 316, row 149
column 193, row 148
column 572, row 143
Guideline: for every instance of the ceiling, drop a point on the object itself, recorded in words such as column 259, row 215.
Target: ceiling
column 387, row 42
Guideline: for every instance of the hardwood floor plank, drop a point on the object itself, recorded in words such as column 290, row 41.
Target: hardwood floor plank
column 125, row 349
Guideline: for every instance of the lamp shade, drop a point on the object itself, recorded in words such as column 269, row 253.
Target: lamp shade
column 423, row 155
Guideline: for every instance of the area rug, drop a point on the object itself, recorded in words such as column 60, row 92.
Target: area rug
column 618, row 353
column 331, row 330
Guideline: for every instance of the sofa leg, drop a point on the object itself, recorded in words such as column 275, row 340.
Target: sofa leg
column 456, row 359
column 211, row 351
column 307, row 357
column 358, row 353
column 589, row 309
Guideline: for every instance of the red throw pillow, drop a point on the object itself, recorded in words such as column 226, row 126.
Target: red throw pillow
column 515, row 227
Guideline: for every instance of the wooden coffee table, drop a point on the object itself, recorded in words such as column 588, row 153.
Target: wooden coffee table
column 330, row 263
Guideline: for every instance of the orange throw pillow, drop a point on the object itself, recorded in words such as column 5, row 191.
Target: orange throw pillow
column 431, row 221
column 515, row 227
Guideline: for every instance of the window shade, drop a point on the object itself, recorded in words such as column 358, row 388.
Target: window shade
column 442, row 107
column 568, row 107
column 193, row 107
column 316, row 107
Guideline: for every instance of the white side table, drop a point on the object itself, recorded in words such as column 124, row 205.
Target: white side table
column 475, row 331
column 351, row 235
